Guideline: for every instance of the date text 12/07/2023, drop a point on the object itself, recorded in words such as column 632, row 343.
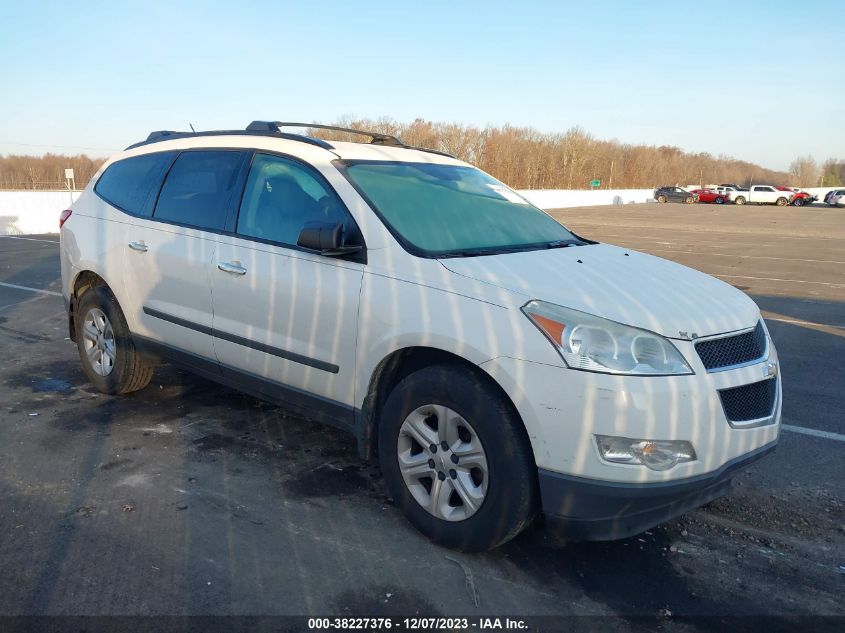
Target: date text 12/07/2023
column 417, row 624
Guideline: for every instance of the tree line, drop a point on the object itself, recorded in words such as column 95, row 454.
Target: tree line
column 522, row 157
column 526, row 158
column 46, row 172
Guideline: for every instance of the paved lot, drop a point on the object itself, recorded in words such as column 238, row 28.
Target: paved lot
column 187, row 498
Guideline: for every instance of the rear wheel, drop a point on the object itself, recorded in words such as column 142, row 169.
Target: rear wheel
column 719, row 200
column 661, row 199
column 689, row 200
column 456, row 459
column 739, row 200
column 798, row 202
column 782, row 202
column 105, row 345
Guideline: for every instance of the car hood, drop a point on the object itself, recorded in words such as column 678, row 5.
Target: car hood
column 618, row 284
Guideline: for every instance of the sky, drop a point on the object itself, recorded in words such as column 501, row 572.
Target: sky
column 759, row 81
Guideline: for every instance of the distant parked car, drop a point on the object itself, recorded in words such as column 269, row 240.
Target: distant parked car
column 799, row 198
column 708, row 195
column 732, row 186
column 726, row 190
column 803, row 198
column 674, row 194
column 762, row 194
column 830, row 195
column 838, row 198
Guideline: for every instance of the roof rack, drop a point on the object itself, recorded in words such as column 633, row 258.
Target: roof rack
column 274, row 126
column 273, row 129
column 377, row 137
column 167, row 135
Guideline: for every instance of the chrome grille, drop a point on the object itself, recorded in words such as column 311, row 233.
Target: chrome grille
column 749, row 402
column 733, row 350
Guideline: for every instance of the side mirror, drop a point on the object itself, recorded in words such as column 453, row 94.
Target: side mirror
column 325, row 238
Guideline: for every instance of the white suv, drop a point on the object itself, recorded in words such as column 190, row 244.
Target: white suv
column 498, row 364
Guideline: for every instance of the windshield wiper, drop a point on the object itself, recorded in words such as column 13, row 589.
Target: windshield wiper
column 562, row 243
column 472, row 252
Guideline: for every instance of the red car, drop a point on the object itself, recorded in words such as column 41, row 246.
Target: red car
column 708, row 195
column 799, row 198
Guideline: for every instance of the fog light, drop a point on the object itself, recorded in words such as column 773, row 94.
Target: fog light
column 654, row 454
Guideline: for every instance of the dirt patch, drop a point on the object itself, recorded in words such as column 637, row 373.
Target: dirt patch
column 215, row 442
column 805, row 514
column 49, row 377
column 54, row 385
column 381, row 601
column 329, row 480
column 116, row 463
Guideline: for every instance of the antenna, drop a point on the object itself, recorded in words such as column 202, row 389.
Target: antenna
column 192, row 127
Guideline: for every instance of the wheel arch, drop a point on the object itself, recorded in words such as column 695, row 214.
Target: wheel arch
column 396, row 366
column 83, row 281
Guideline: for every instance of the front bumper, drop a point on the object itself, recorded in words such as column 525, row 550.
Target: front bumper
column 594, row 510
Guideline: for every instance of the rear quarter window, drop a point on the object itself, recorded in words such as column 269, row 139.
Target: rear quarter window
column 131, row 184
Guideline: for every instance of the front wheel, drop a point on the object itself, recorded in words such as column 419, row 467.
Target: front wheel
column 689, row 200
column 782, row 202
column 456, row 459
column 739, row 200
column 798, row 202
column 719, row 200
column 105, row 345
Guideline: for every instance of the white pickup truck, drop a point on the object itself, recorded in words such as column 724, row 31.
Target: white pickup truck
column 761, row 194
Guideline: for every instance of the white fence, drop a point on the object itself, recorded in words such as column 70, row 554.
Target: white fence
column 562, row 198
column 27, row 212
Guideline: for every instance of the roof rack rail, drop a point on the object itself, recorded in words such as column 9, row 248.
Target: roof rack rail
column 167, row 135
column 377, row 137
column 275, row 126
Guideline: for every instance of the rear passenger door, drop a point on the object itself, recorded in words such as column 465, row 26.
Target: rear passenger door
column 170, row 254
column 286, row 320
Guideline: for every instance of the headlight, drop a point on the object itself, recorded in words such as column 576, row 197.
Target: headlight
column 591, row 343
column 654, row 454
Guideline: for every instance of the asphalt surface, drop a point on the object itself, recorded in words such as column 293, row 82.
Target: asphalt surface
column 190, row 499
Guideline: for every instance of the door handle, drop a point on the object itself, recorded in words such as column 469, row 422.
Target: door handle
column 138, row 246
column 232, row 268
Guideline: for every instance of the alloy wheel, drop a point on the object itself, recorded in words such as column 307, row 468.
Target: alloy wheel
column 443, row 462
column 99, row 342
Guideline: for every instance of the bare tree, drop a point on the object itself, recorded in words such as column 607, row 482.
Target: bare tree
column 804, row 171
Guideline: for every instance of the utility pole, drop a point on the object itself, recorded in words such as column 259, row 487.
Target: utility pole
column 610, row 184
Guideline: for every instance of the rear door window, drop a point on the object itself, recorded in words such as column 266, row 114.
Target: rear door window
column 131, row 184
column 199, row 188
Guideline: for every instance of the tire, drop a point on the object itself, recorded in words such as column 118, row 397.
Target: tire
column 739, row 200
column 689, row 200
column 719, row 200
column 799, row 202
column 432, row 403
column 100, row 324
column 782, row 202
column 661, row 199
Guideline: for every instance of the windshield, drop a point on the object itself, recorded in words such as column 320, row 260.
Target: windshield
column 451, row 210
